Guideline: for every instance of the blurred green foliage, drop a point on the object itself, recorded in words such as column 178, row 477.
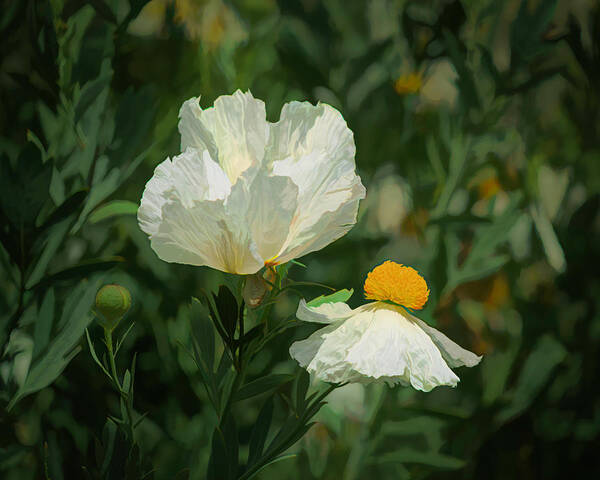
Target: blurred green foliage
column 477, row 127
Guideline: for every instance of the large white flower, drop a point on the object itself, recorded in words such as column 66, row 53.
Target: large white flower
column 246, row 192
column 380, row 341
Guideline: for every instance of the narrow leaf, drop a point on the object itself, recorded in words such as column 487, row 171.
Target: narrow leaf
column 260, row 431
column 113, row 209
column 263, row 385
column 339, row 296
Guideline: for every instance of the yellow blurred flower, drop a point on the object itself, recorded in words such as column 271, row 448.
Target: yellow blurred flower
column 409, row 83
column 211, row 21
column 499, row 292
column 489, row 187
column 434, row 83
column 415, row 222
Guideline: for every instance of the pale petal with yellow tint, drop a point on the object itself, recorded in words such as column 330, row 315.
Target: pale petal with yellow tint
column 234, row 131
column 454, row 354
column 305, row 353
column 205, row 235
column 377, row 342
column 315, row 148
column 183, row 210
column 397, row 350
column 189, row 177
column 266, row 204
column 269, row 204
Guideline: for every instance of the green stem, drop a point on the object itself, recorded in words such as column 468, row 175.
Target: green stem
column 113, row 370
column 111, row 359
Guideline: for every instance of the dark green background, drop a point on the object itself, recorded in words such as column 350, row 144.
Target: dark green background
column 484, row 174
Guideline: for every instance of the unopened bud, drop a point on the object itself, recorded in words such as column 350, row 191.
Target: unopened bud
column 112, row 303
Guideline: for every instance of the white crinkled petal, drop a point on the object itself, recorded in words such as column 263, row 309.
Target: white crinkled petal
column 235, row 204
column 377, row 343
column 323, row 354
column 454, row 354
column 150, row 211
column 266, row 203
column 190, row 177
column 305, row 351
column 315, row 148
column 324, row 313
column 205, row 235
column 396, row 349
column 183, row 210
column 234, row 131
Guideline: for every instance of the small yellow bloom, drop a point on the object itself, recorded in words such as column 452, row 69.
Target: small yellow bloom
column 409, row 83
column 499, row 293
column 397, row 283
column 489, row 187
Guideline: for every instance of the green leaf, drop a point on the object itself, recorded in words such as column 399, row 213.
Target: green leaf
column 224, row 367
column 24, row 189
column 258, row 437
column 263, row 385
column 120, row 341
column 90, row 92
column 228, row 309
column 550, row 242
column 53, row 457
column 113, row 452
column 301, row 387
column 339, row 296
column 113, row 209
column 65, row 209
column 64, row 346
column 133, row 123
column 57, row 187
column 33, row 138
column 527, row 31
column 99, row 191
column 497, row 366
column 79, row 271
column 223, row 462
column 133, row 365
column 203, row 332
column 43, row 324
column 126, row 382
column 94, row 355
column 482, row 259
column 466, row 81
column 547, row 354
column 489, row 237
column 271, row 462
column 46, row 247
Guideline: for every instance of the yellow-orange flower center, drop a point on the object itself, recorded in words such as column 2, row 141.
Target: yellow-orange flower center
column 397, row 283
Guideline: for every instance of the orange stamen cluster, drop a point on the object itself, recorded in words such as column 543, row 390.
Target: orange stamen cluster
column 398, row 284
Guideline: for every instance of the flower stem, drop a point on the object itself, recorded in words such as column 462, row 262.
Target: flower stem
column 111, row 358
column 113, row 370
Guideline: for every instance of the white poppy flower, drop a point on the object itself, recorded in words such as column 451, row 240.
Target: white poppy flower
column 380, row 341
column 245, row 192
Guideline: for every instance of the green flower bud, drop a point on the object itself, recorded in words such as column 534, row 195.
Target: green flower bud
column 112, row 303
